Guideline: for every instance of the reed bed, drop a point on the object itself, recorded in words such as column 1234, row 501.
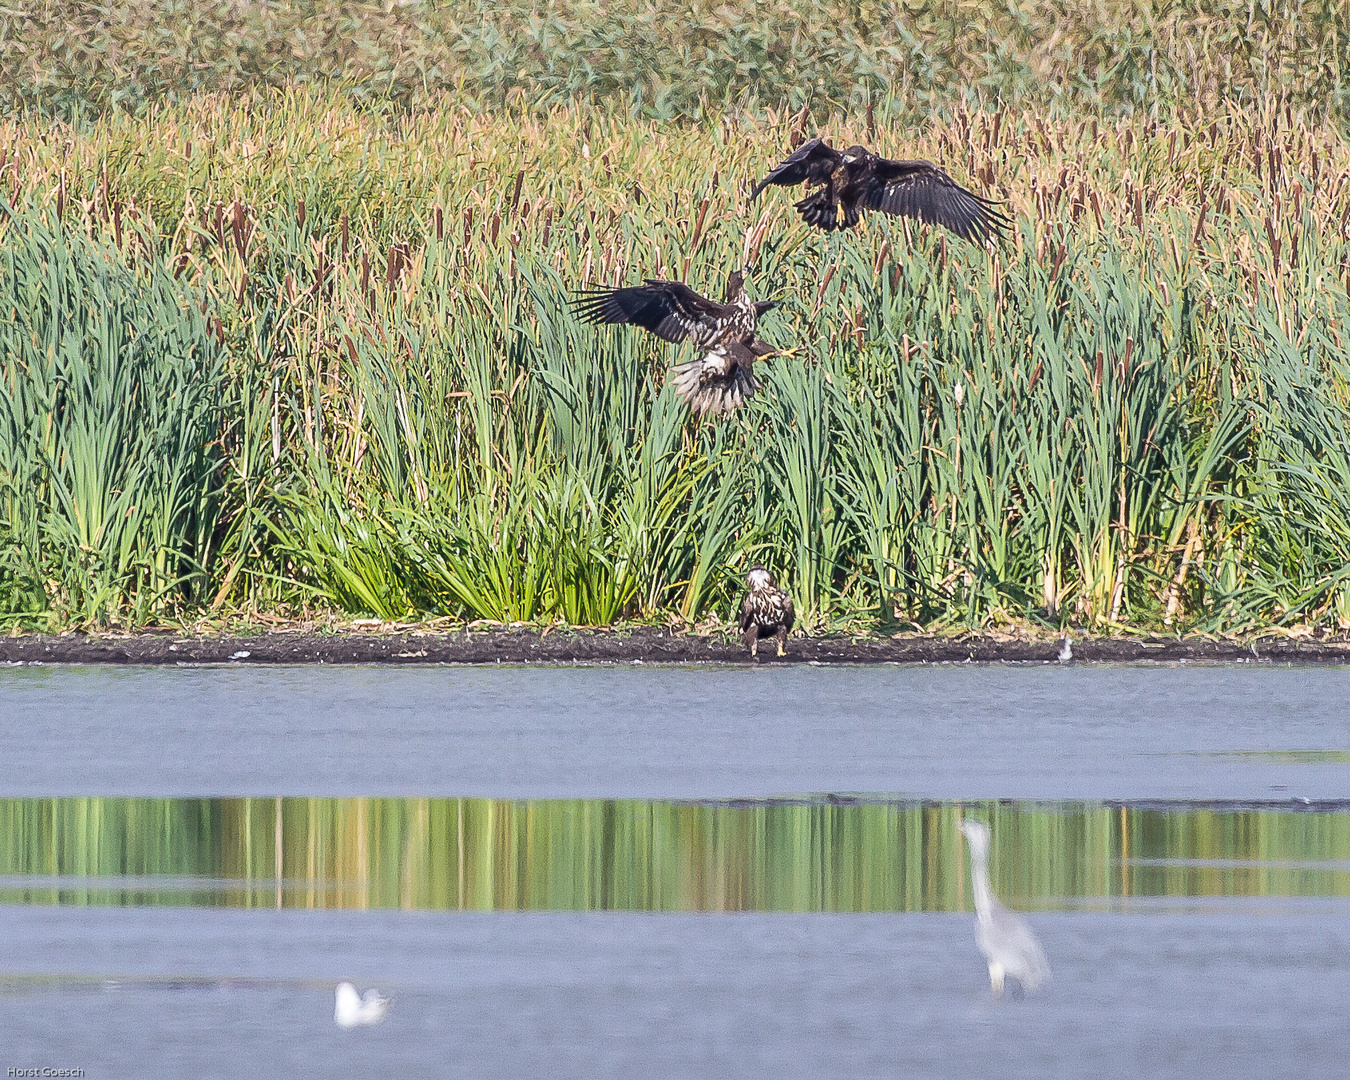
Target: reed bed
column 663, row 59
column 1132, row 416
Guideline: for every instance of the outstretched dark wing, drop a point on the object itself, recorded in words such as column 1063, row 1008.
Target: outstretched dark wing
column 669, row 309
column 813, row 160
column 922, row 190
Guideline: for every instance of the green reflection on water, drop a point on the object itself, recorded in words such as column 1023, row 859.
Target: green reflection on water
column 649, row 856
column 1290, row 757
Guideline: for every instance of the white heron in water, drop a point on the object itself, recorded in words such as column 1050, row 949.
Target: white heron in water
column 353, row 1009
column 1008, row 943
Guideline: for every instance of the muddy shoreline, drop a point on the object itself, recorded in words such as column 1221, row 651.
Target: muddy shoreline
column 640, row 645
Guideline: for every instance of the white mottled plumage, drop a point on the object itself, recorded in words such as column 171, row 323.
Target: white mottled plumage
column 767, row 611
column 721, row 377
column 718, row 381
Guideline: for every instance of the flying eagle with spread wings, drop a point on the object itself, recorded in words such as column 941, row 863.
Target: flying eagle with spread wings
column 722, row 376
column 855, row 180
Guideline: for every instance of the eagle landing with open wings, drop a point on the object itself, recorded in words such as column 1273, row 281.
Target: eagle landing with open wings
column 722, row 376
column 847, row 183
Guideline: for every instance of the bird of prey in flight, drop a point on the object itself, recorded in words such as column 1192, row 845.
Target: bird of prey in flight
column 722, row 376
column 847, row 183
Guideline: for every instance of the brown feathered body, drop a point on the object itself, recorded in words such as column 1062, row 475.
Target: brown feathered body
column 766, row 612
column 722, row 376
column 846, row 183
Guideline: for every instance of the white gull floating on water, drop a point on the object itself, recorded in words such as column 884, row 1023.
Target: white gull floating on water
column 353, row 1010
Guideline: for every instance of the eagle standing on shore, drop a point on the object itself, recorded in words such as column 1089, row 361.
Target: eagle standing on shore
column 767, row 611
column 856, row 180
column 723, row 376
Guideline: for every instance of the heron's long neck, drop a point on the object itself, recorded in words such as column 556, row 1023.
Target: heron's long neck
column 979, row 882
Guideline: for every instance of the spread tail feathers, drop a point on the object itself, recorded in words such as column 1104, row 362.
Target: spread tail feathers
column 821, row 210
column 715, row 383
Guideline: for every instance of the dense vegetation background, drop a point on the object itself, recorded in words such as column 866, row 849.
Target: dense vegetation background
column 670, row 59
column 287, row 328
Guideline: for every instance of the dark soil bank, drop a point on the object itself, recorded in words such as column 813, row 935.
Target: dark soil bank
column 628, row 646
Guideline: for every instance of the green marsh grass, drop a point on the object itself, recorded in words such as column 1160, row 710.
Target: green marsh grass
column 1130, row 417
column 110, row 421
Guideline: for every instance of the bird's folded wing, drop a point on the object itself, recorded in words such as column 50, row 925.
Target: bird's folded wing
column 1016, row 945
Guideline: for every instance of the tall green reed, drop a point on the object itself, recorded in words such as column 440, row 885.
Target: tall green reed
column 110, row 418
column 1081, row 428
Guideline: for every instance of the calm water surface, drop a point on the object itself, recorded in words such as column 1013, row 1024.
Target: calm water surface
column 623, row 872
column 956, row 732
column 1226, row 991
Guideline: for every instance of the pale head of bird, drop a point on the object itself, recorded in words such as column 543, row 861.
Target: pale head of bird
column 759, row 578
column 977, row 836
